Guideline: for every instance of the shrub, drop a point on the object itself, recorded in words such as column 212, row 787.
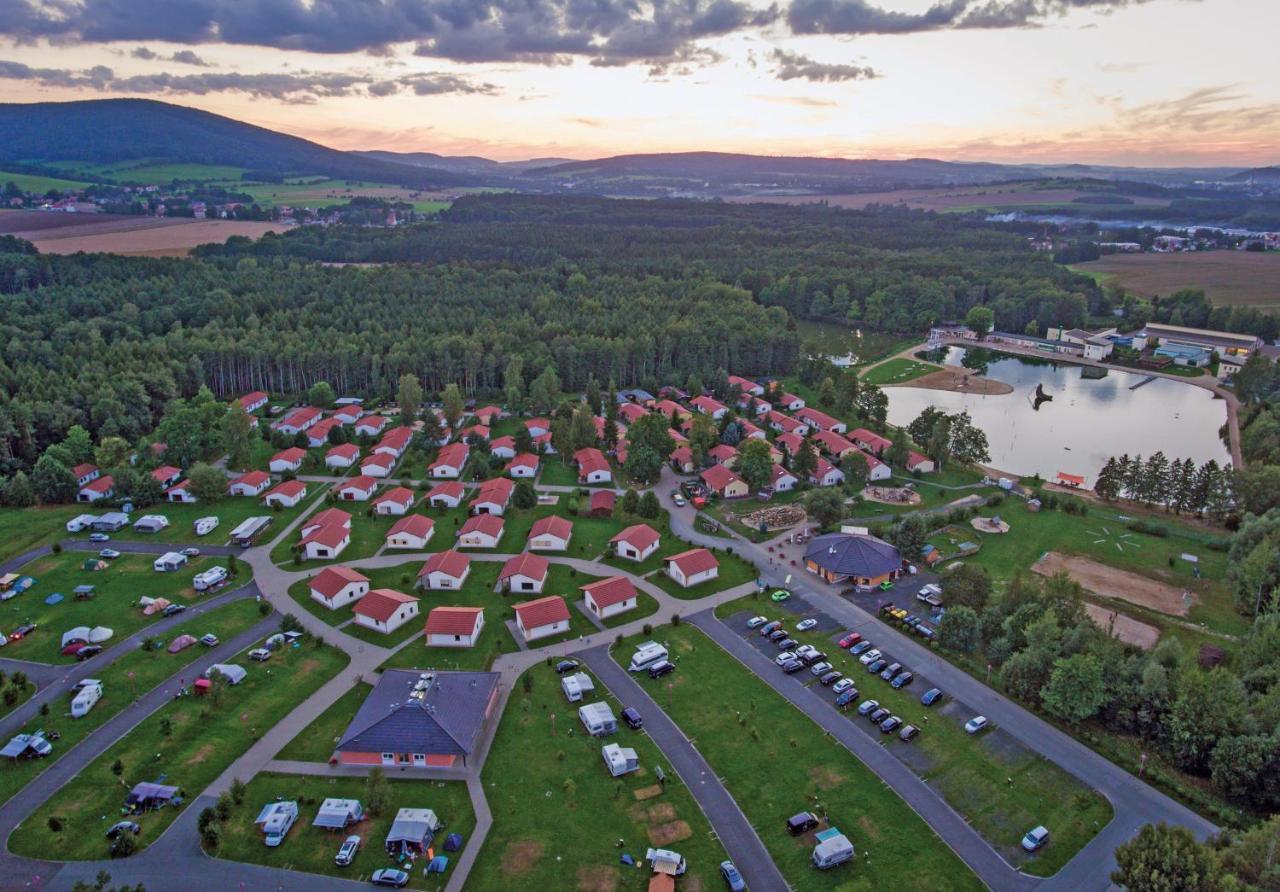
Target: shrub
column 210, row 837
column 55, row 824
column 57, row 548
column 648, row 629
column 675, row 619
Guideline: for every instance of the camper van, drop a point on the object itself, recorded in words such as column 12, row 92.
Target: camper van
column 205, row 525
column 85, row 698
column 646, row 655
column 666, row 861
column 82, row 522
column 169, row 561
column 276, row 819
column 833, row 849
column 209, row 578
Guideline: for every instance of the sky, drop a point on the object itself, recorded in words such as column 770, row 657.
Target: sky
column 1137, row 82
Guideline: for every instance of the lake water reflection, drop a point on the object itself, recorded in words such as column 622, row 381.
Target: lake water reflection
column 1088, row 419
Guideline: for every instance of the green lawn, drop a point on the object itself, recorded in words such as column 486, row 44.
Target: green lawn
column 119, row 588
column 147, row 172
column 733, row 571
column 315, row 742
column 775, row 762
column 22, row 529
column 123, row 681
column 29, row 182
column 311, row 849
column 188, row 743
column 1002, row 790
column 555, row 472
column 897, row 371
column 558, row 814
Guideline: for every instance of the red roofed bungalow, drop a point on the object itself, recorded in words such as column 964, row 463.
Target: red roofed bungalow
column 454, row 626
column 707, row 406
column 833, row 444
column 335, row 586
column 450, row 461
column 394, row 501
column 166, row 475
column 821, row 420
column 550, row 533
column 689, row 568
column 286, row 494
column 287, row 460
column 85, row 473
column 481, row 531
column 789, row 442
column 525, row 572
column 524, row 465
column 252, row 402
column 609, row 597
column 636, row 542
column 542, row 618
column 632, row 412
column 724, row 482
column 385, row 610
column 602, row 502
column 723, row 454
column 446, row 495
column 252, row 484
column 593, row 467
column 444, row 570
column 921, row 463
column 870, row 441
column 412, row 531
column 492, row 496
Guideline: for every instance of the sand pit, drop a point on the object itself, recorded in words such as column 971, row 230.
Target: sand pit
column 1124, row 628
column 989, row 525
column 1122, row 585
column 891, row 495
column 958, row 380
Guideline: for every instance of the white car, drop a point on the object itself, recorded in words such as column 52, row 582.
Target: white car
column 785, row 657
column 347, row 853
column 99, row 537
column 820, row 668
column 870, row 656
column 806, row 624
column 756, row 622
column 260, row 654
column 1035, row 839
column 190, row 552
column 975, row 724
column 842, row 685
column 109, row 554
column 805, row 649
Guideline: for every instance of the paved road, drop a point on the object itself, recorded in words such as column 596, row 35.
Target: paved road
column 993, row 870
column 732, row 827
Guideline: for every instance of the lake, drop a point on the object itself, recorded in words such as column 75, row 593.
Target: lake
column 1088, row 420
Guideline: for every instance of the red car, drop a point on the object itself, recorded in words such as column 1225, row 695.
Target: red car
column 73, row 648
column 850, row 640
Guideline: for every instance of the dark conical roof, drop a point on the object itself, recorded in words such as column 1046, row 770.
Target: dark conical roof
column 853, row 554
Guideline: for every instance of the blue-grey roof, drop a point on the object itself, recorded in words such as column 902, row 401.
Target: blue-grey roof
column 437, row 713
column 852, row 554
column 634, row 395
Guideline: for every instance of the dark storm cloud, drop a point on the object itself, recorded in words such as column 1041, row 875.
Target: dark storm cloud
column 294, row 87
column 794, row 66
column 182, row 57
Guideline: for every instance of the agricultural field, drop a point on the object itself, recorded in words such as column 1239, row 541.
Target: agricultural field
column 957, row 199
column 558, row 814
column 132, row 675
column 775, row 762
column 186, row 743
column 29, row 182
column 119, row 586
column 311, row 849
column 320, row 192
column 1242, row 278
column 147, row 172
column 22, row 529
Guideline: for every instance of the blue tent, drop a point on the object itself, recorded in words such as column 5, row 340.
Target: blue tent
column 453, row 842
column 439, row 864
column 55, row 598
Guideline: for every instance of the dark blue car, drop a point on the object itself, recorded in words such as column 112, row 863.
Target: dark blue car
column 931, row 696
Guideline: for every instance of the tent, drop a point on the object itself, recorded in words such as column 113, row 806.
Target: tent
column 438, row 864
column 79, row 633
column 99, row 634
column 412, row 830
column 182, row 642
column 336, row 814
column 230, row 671
column 94, row 564
column 84, row 592
column 146, row 796
column 154, row 605
column 453, row 842
column 55, row 598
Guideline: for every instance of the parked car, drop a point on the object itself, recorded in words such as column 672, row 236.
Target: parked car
column 756, row 622
column 931, row 594
column 902, row 680
column 174, row 609
column 908, row 732
column 785, row 657
column 661, row 668
column 91, row 650
column 879, row 715
column 887, row 726
column 890, row 671
column 677, row 500
column 99, row 537
column 924, row 631
column 786, row 643
column 389, row 876
column 777, row 634
column 1035, row 839
column 846, row 697
column 886, row 585
column 347, row 853
column 870, row 656
column 120, row 827
column 260, row 654
column 805, row 650
column 866, row 706
column 631, row 716
column 806, row 624
column 975, row 724
column 210, row 640
column 23, row 631
column 850, row 640
column 812, row 657
column 769, row 628
column 732, row 879
column 73, row 648
column 801, row 823
column 876, row 666
column 819, row 668
column 566, row 666
column 860, row 648
column 780, row 595
column 108, row 554
column 792, row 667
column 190, row 552
column 831, row 677
column 931, row 696
column 842, row 685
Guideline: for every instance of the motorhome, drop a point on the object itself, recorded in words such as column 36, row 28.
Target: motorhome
column 276, row 819
column 90, row 693
column 82, row 522
column 209, row 578
column 205, row 525
column 833, row 848
column 646, row 655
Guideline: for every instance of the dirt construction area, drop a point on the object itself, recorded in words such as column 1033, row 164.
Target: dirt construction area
column 1124, row 628
column 958, row 380
column 1122, row 585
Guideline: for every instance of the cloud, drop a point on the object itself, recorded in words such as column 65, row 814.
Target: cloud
column 794, row 66
column 182, row 57
column 1212, row 109
column 654, row 32
column 803, row 101
column 865, row 17
column 299, row 87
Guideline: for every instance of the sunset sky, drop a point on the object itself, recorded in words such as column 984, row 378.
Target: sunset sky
column 1151, row 82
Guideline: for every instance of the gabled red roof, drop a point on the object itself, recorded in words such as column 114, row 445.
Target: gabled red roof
column 364, row 483
column 633, row 412
column 639, row 536
column 824, row 467
column 832, row 442
column 496, row 489
column 786, row 422
column 707, row 405
column 400, row 495
column 249, row 399
column 872, row 461
column 742, row 383
column 778, row 472
column 379, row 460
column 165, row 473
column 523, row 460
column 320, row 430
column 452, row 456
column 452, row 490
column 542, row 612
column 526, row 563
column 346, row 450
column 382, row 603
column 253, row 479
column 452, row 620
column 553, row 525
column 507, row 442
column 817, row 419
column 869, row 439
column 540, row 423
column 670, row 409
column 488, row 412
column 348, row 414
column 603, row 500
column 83, row 470
column 718, row 477
column 789, row 442
column 696, row 560
column 489, row 524
column 292, row 455
column 332, row 580
column 298, row 417
column 451, row 563
column 722, row 452
column 328, row 516
column 413, row 525
column 475, row 430
column 377, row 422
column 682, row 455
column 590, row 459
column 289, row 489
column 915, row 458
column 329, row 535
column 102, row 484
column 607, row 592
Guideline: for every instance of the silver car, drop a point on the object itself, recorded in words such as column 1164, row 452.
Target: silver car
column 869, row 657
column 347, row 854
column 820, row 668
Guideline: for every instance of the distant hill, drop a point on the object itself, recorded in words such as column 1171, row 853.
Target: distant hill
column 1269, row 175
column 110, row 131
column 472, row 164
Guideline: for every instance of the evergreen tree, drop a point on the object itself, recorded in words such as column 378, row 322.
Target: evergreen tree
column 1107, row 486
column 53, row 481
column 321, row 395
column 17, row 491
column 826, row 392
column 582, row 430
column 593, row 394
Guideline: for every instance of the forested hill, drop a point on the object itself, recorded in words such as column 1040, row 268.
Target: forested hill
column 107, row 131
